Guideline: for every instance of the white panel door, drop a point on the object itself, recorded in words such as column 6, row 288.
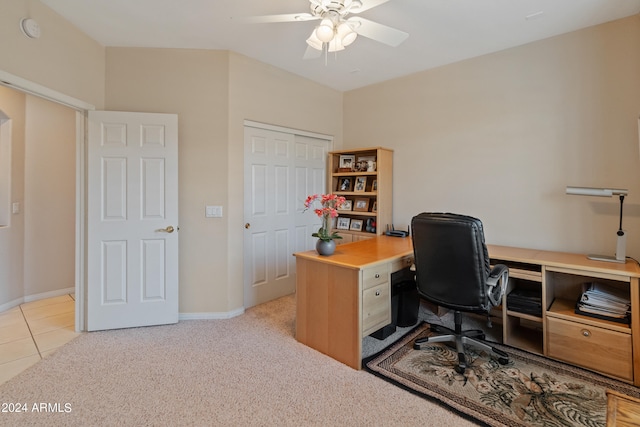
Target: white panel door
column 280, row 170
column 132, row 225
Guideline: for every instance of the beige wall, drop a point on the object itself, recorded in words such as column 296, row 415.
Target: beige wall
column 49, row 197
column 213, row 92
column 12, row 104
column 62, row 59
column 193, row 85
column 265, row 94
column 501, row 136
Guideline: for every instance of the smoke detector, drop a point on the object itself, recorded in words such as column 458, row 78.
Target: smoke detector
column 30, row 28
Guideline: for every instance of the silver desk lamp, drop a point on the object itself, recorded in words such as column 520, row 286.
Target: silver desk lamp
column 622, row 238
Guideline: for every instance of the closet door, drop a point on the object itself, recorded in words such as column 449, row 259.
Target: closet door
column 280, row 170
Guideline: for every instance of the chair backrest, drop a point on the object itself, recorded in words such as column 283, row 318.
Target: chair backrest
column 451, row 259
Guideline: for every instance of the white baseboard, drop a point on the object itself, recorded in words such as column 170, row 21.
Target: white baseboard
column 16, row 302
column 211, row 316
column 9, row 305
column 49, row 294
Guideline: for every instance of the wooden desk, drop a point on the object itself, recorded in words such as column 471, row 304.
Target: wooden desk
column 346, row 296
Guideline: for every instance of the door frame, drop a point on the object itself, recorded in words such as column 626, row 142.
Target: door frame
column 81, row 108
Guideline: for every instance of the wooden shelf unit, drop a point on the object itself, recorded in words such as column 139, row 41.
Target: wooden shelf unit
column 381, row 196
column 604, row 346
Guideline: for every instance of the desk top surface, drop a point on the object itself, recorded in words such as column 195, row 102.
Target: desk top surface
column 384, row 249
column 365, row 252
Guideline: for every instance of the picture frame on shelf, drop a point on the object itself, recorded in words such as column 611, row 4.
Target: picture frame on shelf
column 361, row 184
column 374, row 208
column 361, row 204
column 366, row 163
column 346, row 206
column 374, row 185
column 347, row 161
column 356, row 225
column 343, row 223
column 344, row 184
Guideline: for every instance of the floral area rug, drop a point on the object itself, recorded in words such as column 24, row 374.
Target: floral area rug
column 528, row 391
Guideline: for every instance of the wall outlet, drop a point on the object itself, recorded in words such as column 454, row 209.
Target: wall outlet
column 15, row 207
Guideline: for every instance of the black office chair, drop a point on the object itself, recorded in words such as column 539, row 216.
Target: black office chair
column 453, row 271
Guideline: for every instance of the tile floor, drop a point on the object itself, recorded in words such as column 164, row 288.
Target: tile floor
column 34, row 330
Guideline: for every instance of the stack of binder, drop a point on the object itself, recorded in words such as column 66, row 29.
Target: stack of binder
column 527, row 301
column 604, row 302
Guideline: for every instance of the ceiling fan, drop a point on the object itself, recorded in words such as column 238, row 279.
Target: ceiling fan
column 336, row 29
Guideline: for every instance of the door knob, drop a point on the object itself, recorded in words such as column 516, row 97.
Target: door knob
column 247, row 226
column 169, row 229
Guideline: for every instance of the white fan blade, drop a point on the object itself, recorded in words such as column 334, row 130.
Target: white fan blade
column 378, row 32
column 268, row 19
column 367, row 4
column 312, row 53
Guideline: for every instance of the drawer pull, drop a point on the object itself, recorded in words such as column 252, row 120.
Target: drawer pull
column 377, row 293
column 377, row 275
column 585, row 333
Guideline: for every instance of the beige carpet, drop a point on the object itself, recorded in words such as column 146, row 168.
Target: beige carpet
column 245, row 371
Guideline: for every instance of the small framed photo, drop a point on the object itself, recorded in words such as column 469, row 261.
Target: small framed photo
column 367, row 163
column 356, row 225
column 344, row 184
column 375, row 207
column 361, row 183
column 347, row 162
column 346, row 206
column 361, row 205
column 374, row 185
column 343, row 223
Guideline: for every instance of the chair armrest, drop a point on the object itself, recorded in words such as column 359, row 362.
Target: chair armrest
column 497, row 283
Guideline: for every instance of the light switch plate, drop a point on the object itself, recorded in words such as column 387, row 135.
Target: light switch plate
column 213, row 212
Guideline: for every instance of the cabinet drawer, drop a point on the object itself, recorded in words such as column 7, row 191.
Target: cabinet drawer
column 376, row 308
column 592, row 347
column 401, row 263
column 375, row 275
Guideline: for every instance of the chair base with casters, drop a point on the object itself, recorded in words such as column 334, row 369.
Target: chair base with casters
column 461, row 338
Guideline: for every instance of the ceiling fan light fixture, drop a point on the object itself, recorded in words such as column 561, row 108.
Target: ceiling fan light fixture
column 314, row 41
column 335, row 45
column 346, row 34
column 325, row 30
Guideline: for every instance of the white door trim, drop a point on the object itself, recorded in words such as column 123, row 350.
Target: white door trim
column 81, row 107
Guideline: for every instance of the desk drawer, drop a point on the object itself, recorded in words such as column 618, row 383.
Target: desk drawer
column 375, row 275
column 401, row 263
column 376, row 308
column 592, row 347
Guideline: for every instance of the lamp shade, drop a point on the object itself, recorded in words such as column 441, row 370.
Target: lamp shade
column 324, row 31
column 314, row 41
column 600, row 192
column 346, row 33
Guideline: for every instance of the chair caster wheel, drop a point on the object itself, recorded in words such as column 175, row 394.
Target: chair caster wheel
column 503, row 361
column 459, row 369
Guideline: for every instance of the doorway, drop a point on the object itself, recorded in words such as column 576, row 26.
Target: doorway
column 79, row 109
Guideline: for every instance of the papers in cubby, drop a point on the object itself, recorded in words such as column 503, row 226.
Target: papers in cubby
column 604, row 300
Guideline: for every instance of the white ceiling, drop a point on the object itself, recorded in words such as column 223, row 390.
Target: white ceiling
column 440, row 31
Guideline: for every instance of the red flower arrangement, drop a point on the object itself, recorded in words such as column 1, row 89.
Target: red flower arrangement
column 329, row 209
